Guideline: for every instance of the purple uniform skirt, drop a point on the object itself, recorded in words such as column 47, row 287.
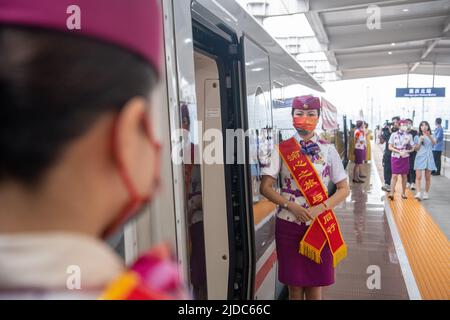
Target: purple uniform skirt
column 400, row 165
column 360, row 156
column 295, row 269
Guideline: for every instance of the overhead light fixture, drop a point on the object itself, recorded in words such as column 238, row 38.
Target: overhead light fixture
column 393, row 44
column 405, row 10
column 390, row 52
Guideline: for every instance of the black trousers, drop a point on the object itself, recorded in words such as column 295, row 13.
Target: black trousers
column 437, row 160
column 412, row 172
column 387, row 171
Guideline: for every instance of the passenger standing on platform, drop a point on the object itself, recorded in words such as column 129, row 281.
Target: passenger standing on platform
column 401, row 144
column 369, row 137
column 412, row 158
column 424, row 163
column 360, row 151
column 78, row 151
column 385, row 136
column 306, row 164
column 438, row 147
column 377, row 133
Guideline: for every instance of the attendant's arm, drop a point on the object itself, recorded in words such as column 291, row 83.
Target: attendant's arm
column 267, row 190
column 391, row 147
column 342, row 192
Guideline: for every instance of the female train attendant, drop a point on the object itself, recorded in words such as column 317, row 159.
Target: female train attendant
column 308, row 240
column 424, row 162
column 360, row 151
column 401, row 144
column 78, row 157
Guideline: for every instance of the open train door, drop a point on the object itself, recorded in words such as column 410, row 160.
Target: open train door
column 217, row 211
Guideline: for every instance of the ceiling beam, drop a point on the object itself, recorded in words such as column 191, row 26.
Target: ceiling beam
column 446, row 26
column 382, row 37
column 395, row 20
column 430, row 46
column 414, row 66
column 393, row 70
column 338, row 5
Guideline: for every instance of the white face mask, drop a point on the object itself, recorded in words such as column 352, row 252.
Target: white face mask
column 403, row 127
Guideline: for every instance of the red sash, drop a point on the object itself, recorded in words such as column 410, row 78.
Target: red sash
column 325, row 227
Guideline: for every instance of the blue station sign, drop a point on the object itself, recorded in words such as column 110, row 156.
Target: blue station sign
column 420, row 92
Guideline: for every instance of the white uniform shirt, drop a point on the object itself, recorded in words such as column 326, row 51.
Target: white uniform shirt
column 327, row 163
column 360, row 139
column 47, row 265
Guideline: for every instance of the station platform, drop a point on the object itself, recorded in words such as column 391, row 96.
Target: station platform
column 406, row 240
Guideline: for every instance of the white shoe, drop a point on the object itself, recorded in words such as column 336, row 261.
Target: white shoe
column 408, row 185
column 425, row 196
column 413, row 186
column 418, row 196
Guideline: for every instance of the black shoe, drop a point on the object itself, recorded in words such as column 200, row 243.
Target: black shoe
column 358, row 181
column 363, row 176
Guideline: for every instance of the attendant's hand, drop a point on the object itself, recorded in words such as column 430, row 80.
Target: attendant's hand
column 317, row 210
column 301, row 213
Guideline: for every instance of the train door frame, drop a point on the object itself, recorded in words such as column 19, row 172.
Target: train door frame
column 265, row 261
column 223, row 47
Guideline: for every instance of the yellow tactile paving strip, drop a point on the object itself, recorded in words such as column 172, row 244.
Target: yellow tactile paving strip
column 426, row 246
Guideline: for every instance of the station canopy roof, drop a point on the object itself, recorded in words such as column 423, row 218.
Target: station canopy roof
column 350, row 39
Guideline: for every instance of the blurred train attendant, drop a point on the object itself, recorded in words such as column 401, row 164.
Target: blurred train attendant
column 424, row 162
column 360, row 151
column 306, row 256
column 78, row 155
column 401, row 144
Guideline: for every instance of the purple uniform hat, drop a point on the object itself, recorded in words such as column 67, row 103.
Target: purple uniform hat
column 403, row 121
column 135, row 25
column 307, row 102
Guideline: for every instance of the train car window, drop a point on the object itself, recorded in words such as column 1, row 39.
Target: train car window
column 261, row 143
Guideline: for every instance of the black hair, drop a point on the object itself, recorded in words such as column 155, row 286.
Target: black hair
column 53, row 87
column 396, row 118
column 420, row 127
column 439, row 121
column 409, row 120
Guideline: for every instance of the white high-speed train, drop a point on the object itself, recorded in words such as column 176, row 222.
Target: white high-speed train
column 225, row 70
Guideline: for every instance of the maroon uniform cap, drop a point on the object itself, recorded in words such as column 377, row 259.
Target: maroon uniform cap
column 135, row 25
column 307, row 102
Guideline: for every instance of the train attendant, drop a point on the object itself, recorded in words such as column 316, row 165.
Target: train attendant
column 360, row 151
column 78, row 154
column 424, row 162
column 401, row 143
column 308, row 239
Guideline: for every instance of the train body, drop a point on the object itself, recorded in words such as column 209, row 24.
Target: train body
column 224, row 73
